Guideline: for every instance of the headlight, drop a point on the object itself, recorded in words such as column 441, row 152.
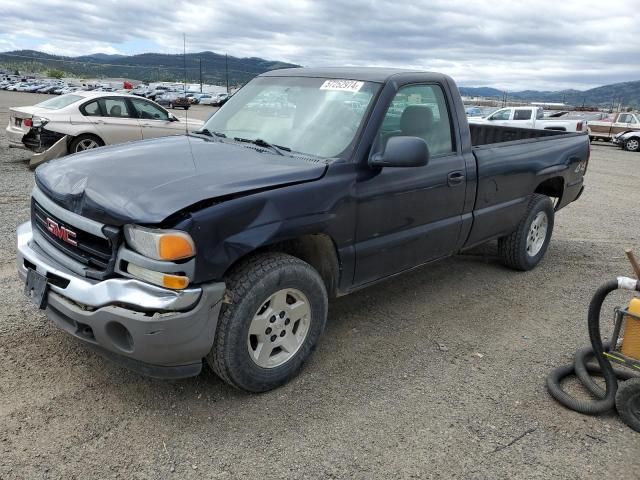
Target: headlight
column 160, row 244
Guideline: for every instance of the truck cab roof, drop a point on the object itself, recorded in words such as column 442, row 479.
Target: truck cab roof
column 366, row 74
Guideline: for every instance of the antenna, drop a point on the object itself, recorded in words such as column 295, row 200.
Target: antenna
column 184, row 57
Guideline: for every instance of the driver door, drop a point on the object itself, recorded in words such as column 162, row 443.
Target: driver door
column 408, row 216
column 154, row 120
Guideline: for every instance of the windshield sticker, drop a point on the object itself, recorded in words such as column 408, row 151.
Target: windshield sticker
column 342, row 85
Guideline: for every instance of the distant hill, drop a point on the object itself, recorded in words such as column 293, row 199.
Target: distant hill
column 626, row 93
column 155, row 67
column 147, row 66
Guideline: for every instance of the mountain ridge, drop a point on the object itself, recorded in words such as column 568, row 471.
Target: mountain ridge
column 153, row 67
column 626, row 93
column 146, row 66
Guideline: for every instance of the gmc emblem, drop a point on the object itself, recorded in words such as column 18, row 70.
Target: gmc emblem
column 62, row 233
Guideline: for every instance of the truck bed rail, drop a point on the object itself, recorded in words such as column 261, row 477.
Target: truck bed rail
column 488, row 134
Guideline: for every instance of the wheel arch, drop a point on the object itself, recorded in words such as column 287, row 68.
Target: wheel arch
column 551, row 187
column 318, row 250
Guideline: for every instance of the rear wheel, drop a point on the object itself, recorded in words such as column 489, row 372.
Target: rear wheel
column 632, row 144
column 524, row 248
column 276, row 314
column 85, row 142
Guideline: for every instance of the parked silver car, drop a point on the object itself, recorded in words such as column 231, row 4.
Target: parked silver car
column 83, row 120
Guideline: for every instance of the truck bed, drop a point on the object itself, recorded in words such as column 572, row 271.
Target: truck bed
column 488, row 134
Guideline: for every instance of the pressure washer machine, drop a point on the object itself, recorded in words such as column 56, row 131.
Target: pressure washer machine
column 623, row 349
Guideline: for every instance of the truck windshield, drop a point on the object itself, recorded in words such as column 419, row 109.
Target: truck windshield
column 314, row 116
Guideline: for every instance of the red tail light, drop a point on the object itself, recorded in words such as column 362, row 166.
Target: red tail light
column 579, row 126
column 27, row 122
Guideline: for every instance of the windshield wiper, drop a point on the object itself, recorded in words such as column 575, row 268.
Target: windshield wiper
column 208, row 133
column 262, row 143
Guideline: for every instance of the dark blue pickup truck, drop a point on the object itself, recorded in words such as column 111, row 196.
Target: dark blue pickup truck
column 224, row 246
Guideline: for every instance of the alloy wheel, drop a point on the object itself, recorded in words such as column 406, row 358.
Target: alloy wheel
column 279, row 328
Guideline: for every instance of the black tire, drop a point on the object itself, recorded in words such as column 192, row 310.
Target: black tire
column 249, row 286
column 513, row 247
column 628, row 403
column 632, row 144
column 76, row 142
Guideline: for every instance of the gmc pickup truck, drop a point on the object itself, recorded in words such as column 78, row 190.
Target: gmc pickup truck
column 531, row 117
column 224, row 246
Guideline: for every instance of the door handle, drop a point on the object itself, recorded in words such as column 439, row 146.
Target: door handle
column 455, row 178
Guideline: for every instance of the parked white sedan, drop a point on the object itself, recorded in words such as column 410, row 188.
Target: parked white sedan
column 82, row 120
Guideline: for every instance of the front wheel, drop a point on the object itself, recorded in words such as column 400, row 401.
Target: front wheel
column 632, row 144
column 276, row 313
column 524, row 248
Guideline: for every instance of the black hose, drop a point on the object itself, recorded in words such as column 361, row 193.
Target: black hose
column 605, row 399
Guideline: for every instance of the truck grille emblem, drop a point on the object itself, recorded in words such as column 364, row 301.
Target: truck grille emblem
column 62, row 233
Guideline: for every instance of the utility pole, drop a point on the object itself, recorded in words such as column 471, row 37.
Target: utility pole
column 226, row 68
column 184, row 57
column 200, row 58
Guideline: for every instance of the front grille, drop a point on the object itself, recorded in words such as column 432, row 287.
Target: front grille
column 90, row 250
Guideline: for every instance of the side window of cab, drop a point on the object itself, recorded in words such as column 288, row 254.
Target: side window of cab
column 419, row 111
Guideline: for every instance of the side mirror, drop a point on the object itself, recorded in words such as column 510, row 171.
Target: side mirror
column 173, row 118
column 402, row 152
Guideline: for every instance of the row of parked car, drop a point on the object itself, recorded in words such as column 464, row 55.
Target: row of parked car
column 166, row 94
column 51, row 87
column 171, row 96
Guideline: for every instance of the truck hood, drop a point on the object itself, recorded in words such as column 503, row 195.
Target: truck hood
column 146, row 182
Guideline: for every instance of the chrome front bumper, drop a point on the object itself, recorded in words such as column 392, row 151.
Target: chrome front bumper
column 140, row 296
column 152, row 330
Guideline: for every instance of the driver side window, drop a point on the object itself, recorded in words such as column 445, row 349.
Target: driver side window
column 419, row 111
column 149, row 111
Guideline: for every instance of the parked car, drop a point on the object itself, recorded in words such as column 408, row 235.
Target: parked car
column 48, row 89
column 473, row 111
column 220, row 99
column 205, row 99
column 158, row 91
column 225, row 245
column 174, row 100
column 617, row 123
column 530, row 117
column 193, row 97
column 83, row 120
column 142, row 91
column 628, row 140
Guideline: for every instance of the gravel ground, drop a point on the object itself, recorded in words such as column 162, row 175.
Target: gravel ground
column 379, row 399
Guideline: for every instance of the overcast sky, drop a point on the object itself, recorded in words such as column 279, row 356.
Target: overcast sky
column 516, row 45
